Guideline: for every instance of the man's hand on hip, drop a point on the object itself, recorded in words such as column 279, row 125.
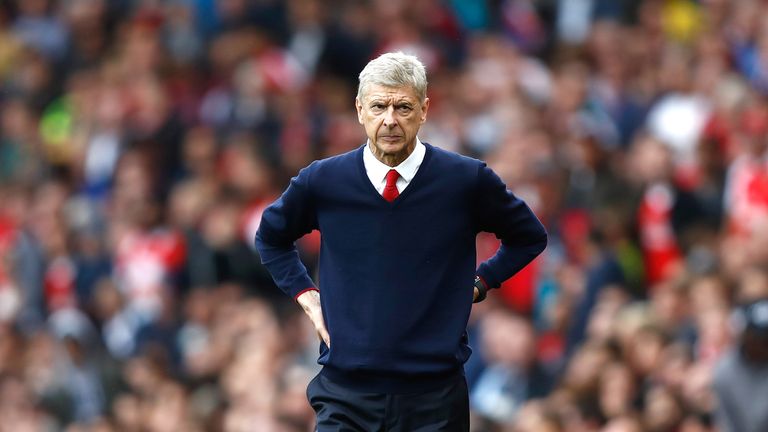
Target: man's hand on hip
column 310, row 302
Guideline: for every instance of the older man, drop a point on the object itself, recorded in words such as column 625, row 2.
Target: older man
column 398, row 219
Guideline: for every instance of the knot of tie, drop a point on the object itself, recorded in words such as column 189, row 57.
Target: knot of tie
column 390, row 189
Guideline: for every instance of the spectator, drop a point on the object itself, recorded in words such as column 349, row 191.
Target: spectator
column 740, row 375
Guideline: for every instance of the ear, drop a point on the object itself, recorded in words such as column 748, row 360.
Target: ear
column 424, row 109
column 359, row 108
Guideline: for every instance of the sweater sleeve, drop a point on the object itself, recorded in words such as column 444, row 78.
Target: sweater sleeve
column 287, row 219
column 522, row 235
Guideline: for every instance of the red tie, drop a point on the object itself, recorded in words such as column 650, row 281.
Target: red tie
column 390, row 190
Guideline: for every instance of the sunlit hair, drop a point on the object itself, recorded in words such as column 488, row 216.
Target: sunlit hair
column 394, row 69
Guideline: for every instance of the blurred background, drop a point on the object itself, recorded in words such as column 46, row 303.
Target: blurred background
column 140, row 141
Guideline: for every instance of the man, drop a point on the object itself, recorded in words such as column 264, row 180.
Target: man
column 398, row 220
column 741, row 375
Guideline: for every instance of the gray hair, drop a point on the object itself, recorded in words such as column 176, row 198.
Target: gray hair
column 394, row 69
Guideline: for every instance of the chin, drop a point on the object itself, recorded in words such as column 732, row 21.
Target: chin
column 391, row 148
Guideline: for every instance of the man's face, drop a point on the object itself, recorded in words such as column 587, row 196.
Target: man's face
column 392, row 117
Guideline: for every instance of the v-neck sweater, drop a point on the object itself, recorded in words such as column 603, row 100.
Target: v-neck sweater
column 396, row 278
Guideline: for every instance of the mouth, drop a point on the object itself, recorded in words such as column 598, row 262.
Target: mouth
column 390, row 137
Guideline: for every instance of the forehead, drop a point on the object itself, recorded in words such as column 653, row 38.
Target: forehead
column 398, row 93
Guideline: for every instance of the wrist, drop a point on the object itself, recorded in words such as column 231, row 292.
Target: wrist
column 308, row 299
column 304, row 291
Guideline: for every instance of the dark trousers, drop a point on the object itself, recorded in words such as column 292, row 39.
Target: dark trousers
column 340, row 409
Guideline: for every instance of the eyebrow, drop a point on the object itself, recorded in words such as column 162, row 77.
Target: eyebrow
column 387, row 100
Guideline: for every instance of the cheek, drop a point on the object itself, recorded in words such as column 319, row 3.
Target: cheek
column 411, row 124
column 375, row 121
column 372, row 123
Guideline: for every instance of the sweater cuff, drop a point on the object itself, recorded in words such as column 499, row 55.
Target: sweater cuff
column 484, row 273
column 296, row 297
column 298, row 284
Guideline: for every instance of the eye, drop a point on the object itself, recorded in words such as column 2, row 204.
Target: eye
column 378, row 107
column 404, row 109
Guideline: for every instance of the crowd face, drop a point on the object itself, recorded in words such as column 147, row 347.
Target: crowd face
column 391, row 117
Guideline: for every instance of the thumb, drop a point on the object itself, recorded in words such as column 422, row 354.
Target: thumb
column 325, row 336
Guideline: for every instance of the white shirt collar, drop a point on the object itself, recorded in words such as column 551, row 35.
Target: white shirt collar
column 377, row 170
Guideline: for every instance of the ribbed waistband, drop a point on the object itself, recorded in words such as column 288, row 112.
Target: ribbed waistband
column 391, row 382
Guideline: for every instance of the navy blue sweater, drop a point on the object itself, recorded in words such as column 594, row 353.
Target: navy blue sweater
column 396, row 279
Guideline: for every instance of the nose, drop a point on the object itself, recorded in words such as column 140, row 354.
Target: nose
column 389, row 117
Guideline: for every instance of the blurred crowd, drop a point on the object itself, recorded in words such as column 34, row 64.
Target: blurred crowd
column 140, row 141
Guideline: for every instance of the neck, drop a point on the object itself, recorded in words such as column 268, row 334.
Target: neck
column 392, row 159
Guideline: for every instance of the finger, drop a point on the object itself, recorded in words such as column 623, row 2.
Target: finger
column 326, row 337
column 475, row 294
column 322, row 331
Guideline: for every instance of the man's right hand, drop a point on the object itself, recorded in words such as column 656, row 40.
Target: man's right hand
column 310, row 302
